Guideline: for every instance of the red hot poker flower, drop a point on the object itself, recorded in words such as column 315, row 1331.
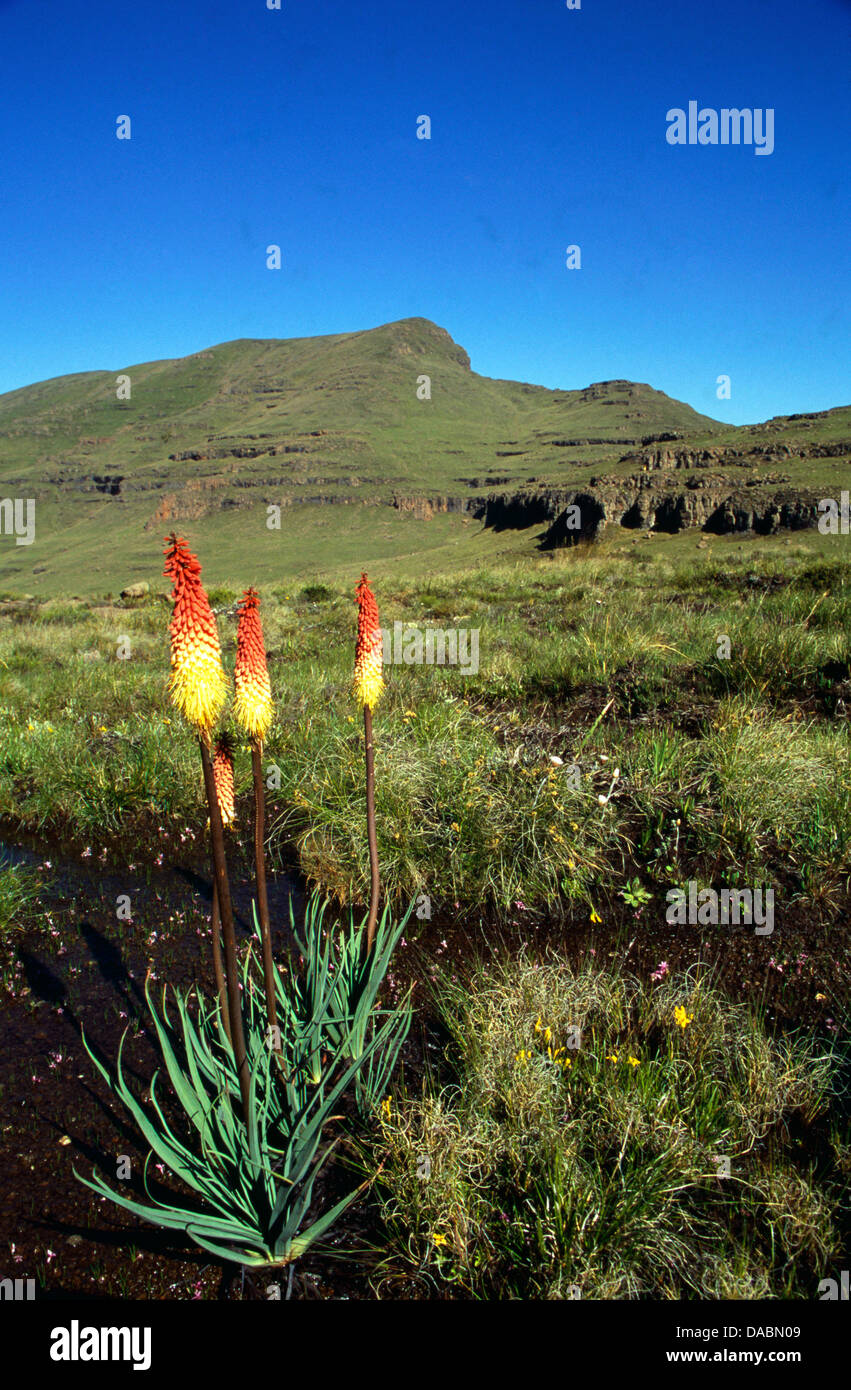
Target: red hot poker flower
column 198, row 684
column 368, row 681
column 253, row 699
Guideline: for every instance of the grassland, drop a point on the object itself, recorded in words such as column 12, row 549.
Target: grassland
column 596, row 660
column 605, row 749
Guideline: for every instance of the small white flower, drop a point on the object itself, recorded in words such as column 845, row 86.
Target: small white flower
column 602, row 800
column 556, row 762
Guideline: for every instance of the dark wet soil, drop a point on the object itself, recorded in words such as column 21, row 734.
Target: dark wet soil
column 77, row 965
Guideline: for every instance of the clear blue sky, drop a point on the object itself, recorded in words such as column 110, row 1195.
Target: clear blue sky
column 298, row 127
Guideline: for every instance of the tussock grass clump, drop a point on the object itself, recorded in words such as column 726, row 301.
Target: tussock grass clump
column 20, row 890
column 457, row 811
column 604, row 1138
column 775, row 782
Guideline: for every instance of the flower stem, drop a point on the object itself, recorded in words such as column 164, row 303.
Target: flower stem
column 220, row 873
column 262, row 898
column 374, row 882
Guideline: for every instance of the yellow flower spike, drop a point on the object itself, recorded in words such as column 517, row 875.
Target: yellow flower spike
column 633, row 1061
column 198, row 684
column 681, row 1018
column 538, row 1024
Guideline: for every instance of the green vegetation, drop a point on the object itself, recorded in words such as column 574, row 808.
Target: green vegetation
column 253, row 1177
column 604, row 1138
column 20, row 889
column 603, row 659
column 604, row 749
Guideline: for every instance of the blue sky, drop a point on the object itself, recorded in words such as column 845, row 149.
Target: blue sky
column 298, row 127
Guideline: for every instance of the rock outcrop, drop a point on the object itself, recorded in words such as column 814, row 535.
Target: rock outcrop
column 424, row 508
column 707, row 504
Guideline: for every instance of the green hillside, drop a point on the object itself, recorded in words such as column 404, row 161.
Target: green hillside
column 332, row 431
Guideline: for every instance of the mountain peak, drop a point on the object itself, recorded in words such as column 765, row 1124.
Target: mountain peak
column 418, row 336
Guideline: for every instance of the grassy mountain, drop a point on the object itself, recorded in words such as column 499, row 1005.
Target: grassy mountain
column 314, row 425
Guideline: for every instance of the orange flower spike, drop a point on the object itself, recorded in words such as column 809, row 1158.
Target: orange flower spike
column 368, row 682
column 198, row 684
column 252, row 704
column 223, row 778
